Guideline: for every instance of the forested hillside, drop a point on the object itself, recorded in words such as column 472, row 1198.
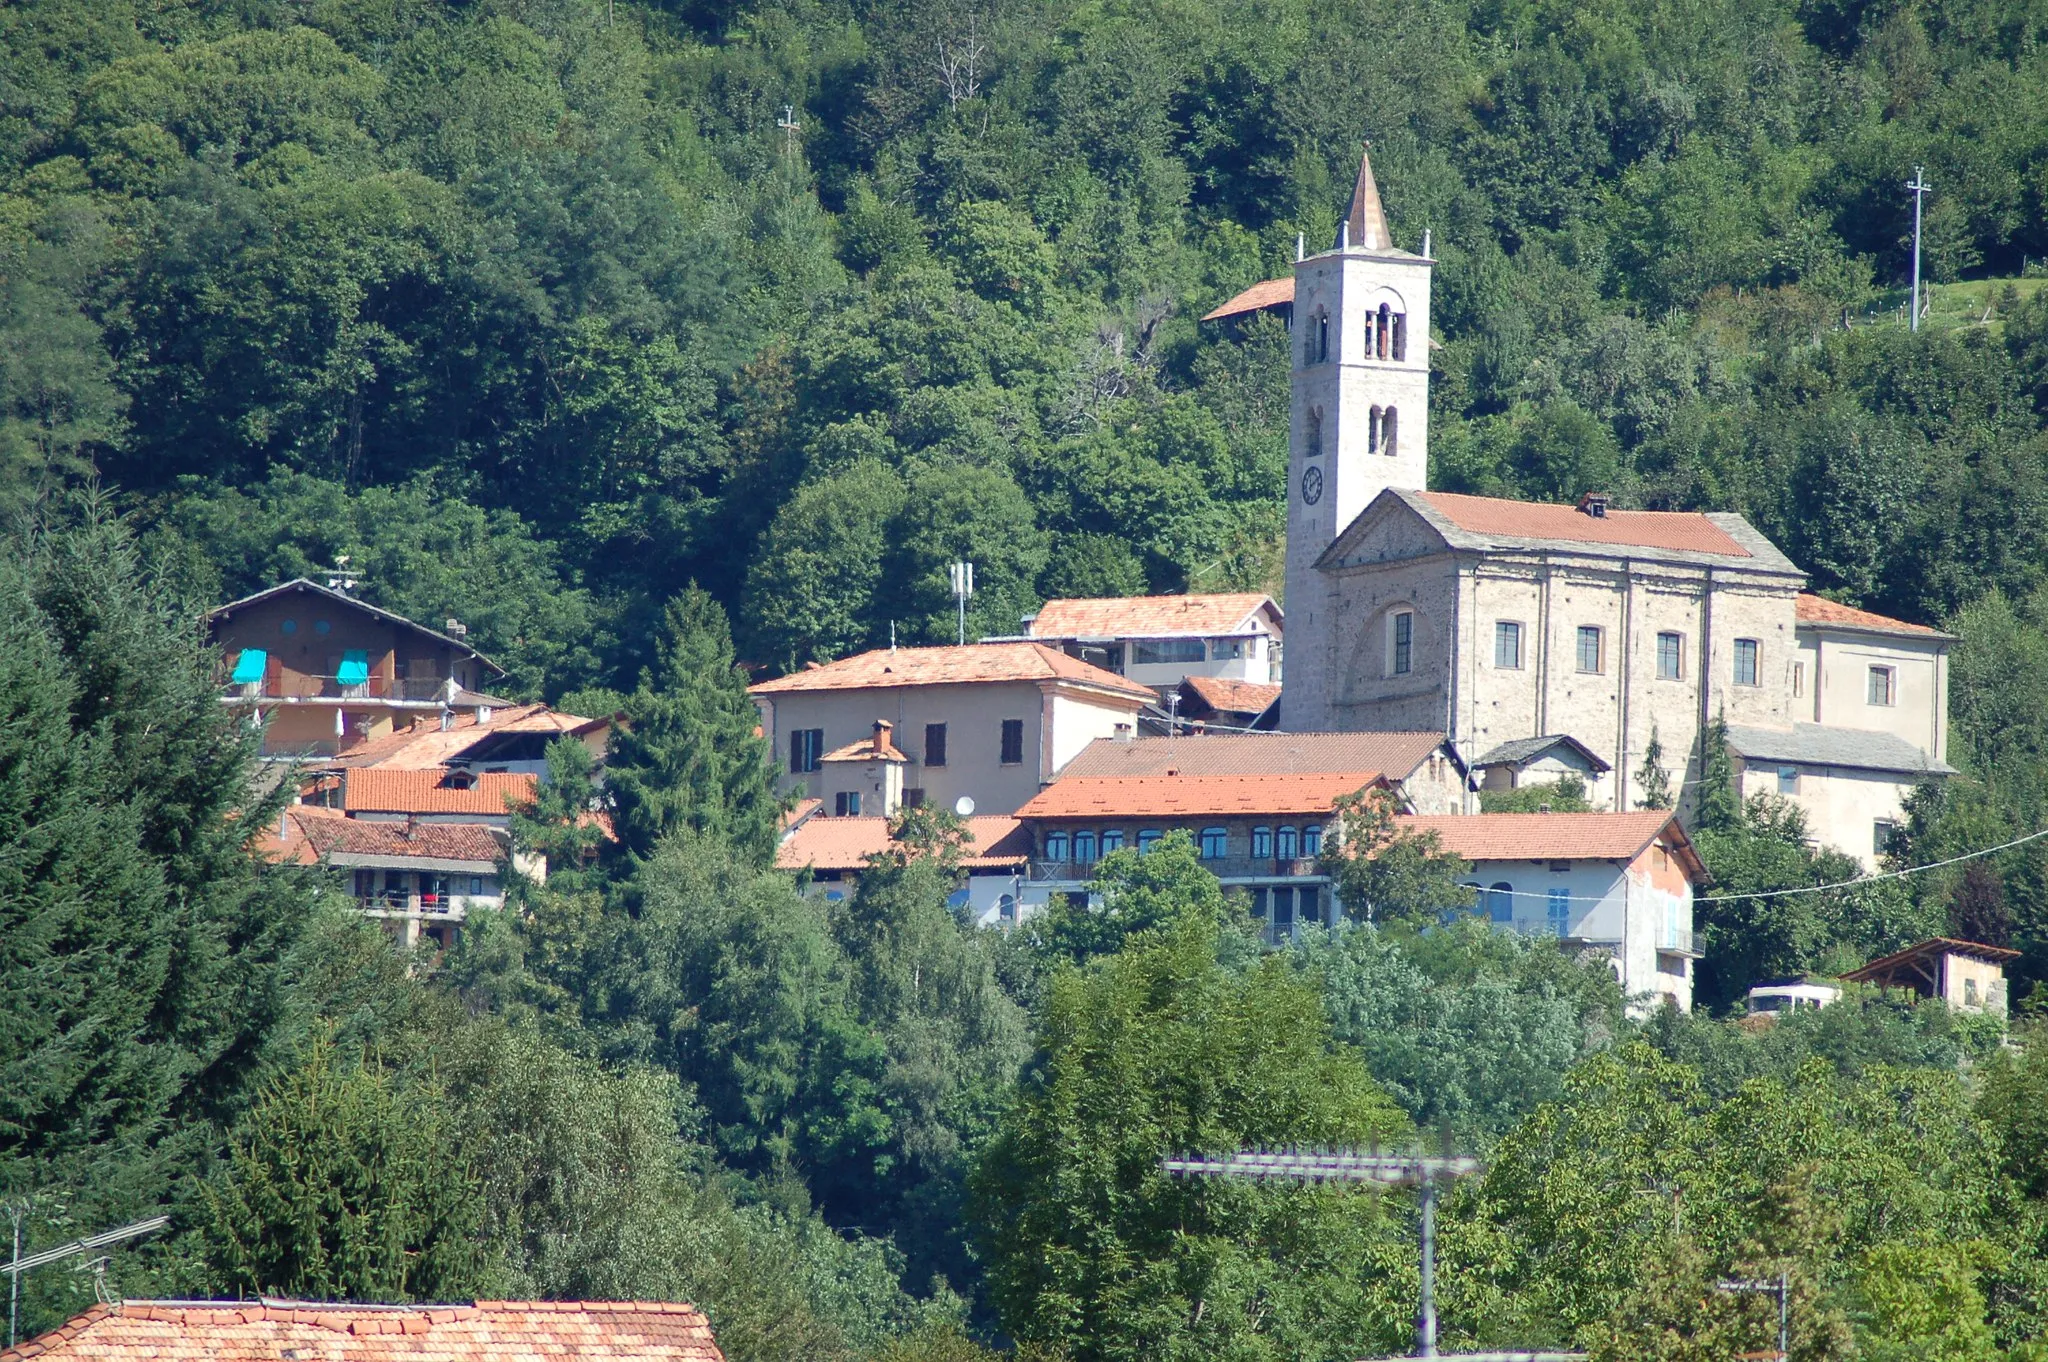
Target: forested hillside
column 660, row 342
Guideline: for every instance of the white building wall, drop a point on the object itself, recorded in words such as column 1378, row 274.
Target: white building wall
column 1837, row 684
column 1843, row 806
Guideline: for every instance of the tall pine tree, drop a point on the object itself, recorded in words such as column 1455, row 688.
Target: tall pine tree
column 691, row 755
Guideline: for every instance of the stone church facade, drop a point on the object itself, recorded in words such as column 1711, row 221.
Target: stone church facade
column 1499, row 621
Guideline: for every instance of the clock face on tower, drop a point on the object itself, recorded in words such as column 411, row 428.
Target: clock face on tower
column 1312, row 485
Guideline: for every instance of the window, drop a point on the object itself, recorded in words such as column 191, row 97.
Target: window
column 1746, row 650
column 1146, row 838
column 1385, row 331
column 1283, row 912
column 1884, row 685
column 806, row 747
column 1308, row 903
column 1560, row 906
column 1312, row 437
column 1013, row 742
column 1401, row 642
column 935, row 744
column 1500, row 902
column 1112, row 840
column 1589, row 648
column 846, row 804
column 1507, row 645
column 1372, row 429
column 1168, row 650
column 913, row 797
column 1262, row 843
column 1286, row 844
column 1670, row 657
column 1788, row 780
column 476, row 884
column 1312, row 840
column 1215, row 844
column 1227, row 649
column 1884, row 835
column 1798, row 680
column 1084, row 847
column 1319, row 343
column 1389, row 428
column 1055, row 846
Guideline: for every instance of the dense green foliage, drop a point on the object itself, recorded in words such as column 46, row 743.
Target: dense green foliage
column 533, row 310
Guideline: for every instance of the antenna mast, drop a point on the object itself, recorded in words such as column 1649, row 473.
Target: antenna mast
column 18, row 1264
column 963, row 587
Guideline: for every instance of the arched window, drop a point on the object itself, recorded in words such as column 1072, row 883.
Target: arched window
column 1372, row 430
column 1386, row 327
column 1389, row 422
column 1372, row 322
column 1146, row 839
column 1215, row 844
column 1319, row 340
column 1288, row 844
column 1112, row 840
column 1084, row 847
column 1055, row 846
column 1262, row 843
column 1500, row 902
column 1312, row 840
column 1400, row 335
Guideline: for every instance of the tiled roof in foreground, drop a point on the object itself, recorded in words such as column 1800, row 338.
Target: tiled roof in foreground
column 1547, row 836
column 488, row 1331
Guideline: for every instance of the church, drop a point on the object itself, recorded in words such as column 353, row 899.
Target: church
column 1551, row 639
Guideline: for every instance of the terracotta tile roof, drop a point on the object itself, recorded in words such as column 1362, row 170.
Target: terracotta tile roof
column 1194, row 796
column 314, row 834
column 1547, row 836
column 1686, row 531
column 846, row 843
column 1265, row 294
column 1364, row 755
column 427, row 744
column 1148, row 616
column 488, row 1331
column 950, row 666
column 1234, row 697
column 1812, row 609
column 387, row 790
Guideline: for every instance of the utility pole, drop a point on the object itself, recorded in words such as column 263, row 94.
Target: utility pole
column 1425, row 1174
column 789, row 126
column 1919, row 187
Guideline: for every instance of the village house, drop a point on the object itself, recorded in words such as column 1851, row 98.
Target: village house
column 1204, row 702
column 1544, row 761
column 419, row 878
column 1259, row 807
column 830, row 853
column 990, row 723
column 1160, row 640
column 1496, row 621
column 328, row 672
column 350, row 1331
column 1616, row 885
column 430, row 795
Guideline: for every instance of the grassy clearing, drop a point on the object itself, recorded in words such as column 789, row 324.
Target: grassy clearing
column 1954, row 307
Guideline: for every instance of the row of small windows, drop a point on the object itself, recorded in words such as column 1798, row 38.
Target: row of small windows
column 1591, row 650
column 1386, row 336
column 1282, row 843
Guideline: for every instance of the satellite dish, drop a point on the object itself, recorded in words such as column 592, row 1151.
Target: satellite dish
column 964, row 806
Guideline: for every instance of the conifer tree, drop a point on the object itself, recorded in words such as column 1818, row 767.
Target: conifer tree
column 690, row 756
column 1653, row 782
column 141, row 941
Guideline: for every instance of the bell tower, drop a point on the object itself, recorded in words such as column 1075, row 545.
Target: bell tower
column 1359, row 421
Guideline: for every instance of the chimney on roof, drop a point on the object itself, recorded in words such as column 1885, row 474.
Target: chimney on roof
column 1594, row 504
column 456, row 629
column 883, row 728
column 412, row 826
column 1123, row 732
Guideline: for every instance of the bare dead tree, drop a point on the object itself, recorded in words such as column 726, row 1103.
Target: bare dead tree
column 959, row 66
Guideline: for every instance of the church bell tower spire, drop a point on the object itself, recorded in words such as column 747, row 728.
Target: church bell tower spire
column 1359, row 417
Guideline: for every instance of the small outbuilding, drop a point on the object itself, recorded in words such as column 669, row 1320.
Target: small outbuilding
column 1967, row 975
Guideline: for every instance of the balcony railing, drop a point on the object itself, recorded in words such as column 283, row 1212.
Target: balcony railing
column 1227, row 869
column 302, row 687
column 414, row 905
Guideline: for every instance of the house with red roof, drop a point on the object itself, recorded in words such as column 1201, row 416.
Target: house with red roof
column 1498, row 622
column 267, row 1329
column 985, row 723
column 830, row 853
column 1161, row 640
